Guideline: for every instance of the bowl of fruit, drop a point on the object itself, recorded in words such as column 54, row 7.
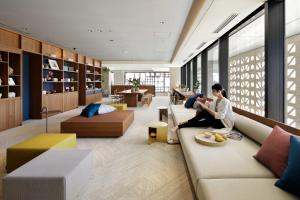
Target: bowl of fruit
column 211, row 138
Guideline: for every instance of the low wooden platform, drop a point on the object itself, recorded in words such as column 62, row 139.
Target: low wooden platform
column 112, row 124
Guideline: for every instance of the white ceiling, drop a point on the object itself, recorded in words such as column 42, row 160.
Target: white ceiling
column 134, row 25
column 213, row 13
column 140, row 40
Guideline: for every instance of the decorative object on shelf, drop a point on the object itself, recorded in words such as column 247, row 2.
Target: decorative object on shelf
column 0, row 95
column 77, row 70
column 88, row 71
column 136, row 83
column 55, row 79
column 72, row 88
column 97, row 73
column 45, row 66
column 53, row 64
column 11, row 95
column 50, row 76
column 88, row 79
column 71, row 69
column 0, row 81
column 66, row 68
column 44, row 92
column 10, row 71
column 52, row 55
column 67, row 89
column 11, row 81
column 68, row 80
column 70, row 59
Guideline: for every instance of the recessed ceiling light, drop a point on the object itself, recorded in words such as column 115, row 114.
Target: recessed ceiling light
column 162, row 22
column 90, row 30
column 99, row 30
column 111, row 40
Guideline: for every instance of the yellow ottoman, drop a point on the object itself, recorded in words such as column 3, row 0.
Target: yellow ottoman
column 157, row 132
column 120, row 106
column 25, row 151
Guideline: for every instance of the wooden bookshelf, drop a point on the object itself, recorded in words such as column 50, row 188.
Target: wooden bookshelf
column 64, row 88
column 90, row 81
column 10, row 89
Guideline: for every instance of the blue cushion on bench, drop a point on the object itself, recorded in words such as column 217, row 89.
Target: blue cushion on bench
column 290, row 179
column 190, row 102
column 90, row 110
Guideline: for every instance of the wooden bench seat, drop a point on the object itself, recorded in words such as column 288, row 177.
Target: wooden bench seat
column 112, row 124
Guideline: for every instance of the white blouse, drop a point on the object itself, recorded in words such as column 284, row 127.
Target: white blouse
column 224, row 112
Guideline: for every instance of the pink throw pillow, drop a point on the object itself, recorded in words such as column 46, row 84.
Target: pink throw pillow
column 274, row 151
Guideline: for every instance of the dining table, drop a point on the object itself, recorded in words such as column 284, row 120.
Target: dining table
column 132, row 97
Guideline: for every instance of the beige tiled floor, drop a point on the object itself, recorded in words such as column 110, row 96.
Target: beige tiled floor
column 126, row 167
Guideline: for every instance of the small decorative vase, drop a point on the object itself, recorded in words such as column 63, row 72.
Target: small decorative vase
column 10, row 71
column 132, row 89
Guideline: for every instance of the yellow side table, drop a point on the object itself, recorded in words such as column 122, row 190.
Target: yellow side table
column 120, row 106
column 157, row 132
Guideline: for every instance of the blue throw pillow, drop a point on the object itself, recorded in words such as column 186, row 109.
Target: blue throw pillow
column 90, row 110
column 290, row 180
column 190, row 101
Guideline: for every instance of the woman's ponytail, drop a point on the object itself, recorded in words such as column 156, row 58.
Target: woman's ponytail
column 224, row 93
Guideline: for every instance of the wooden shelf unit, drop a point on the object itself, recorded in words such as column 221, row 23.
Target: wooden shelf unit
column 14, row 47
column 90, row 81
column 10, row 108
column 61, row 94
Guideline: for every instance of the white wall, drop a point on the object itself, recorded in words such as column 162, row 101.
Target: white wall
column 118, row 77
column 175, row 77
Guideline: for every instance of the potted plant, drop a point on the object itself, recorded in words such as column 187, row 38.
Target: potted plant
column 196, row 86
column 136, row 82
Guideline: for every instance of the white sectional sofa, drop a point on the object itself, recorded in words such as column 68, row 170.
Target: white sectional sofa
column 229, row 172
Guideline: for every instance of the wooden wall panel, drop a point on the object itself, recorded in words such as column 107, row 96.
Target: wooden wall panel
column 70, row 100
column 54, row 102
column 9, row 39
column 31, row 45
column 88, row 60
column 69, row 55
column 80, row 59
column 96, row 63
column 50, row 49
column 4, row 113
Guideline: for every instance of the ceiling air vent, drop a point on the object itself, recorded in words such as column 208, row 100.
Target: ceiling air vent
column 201, row 45
column 226, row 22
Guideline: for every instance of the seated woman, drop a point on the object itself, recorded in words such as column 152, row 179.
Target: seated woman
column 218, row 115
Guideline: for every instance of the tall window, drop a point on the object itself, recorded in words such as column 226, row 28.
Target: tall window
column 199, row 72
column 292, row 96
column 191, row 76
column 247, row 66
column 161, row 80
column 213, row 75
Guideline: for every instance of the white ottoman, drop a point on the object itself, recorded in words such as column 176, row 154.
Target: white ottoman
column 54, row 175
